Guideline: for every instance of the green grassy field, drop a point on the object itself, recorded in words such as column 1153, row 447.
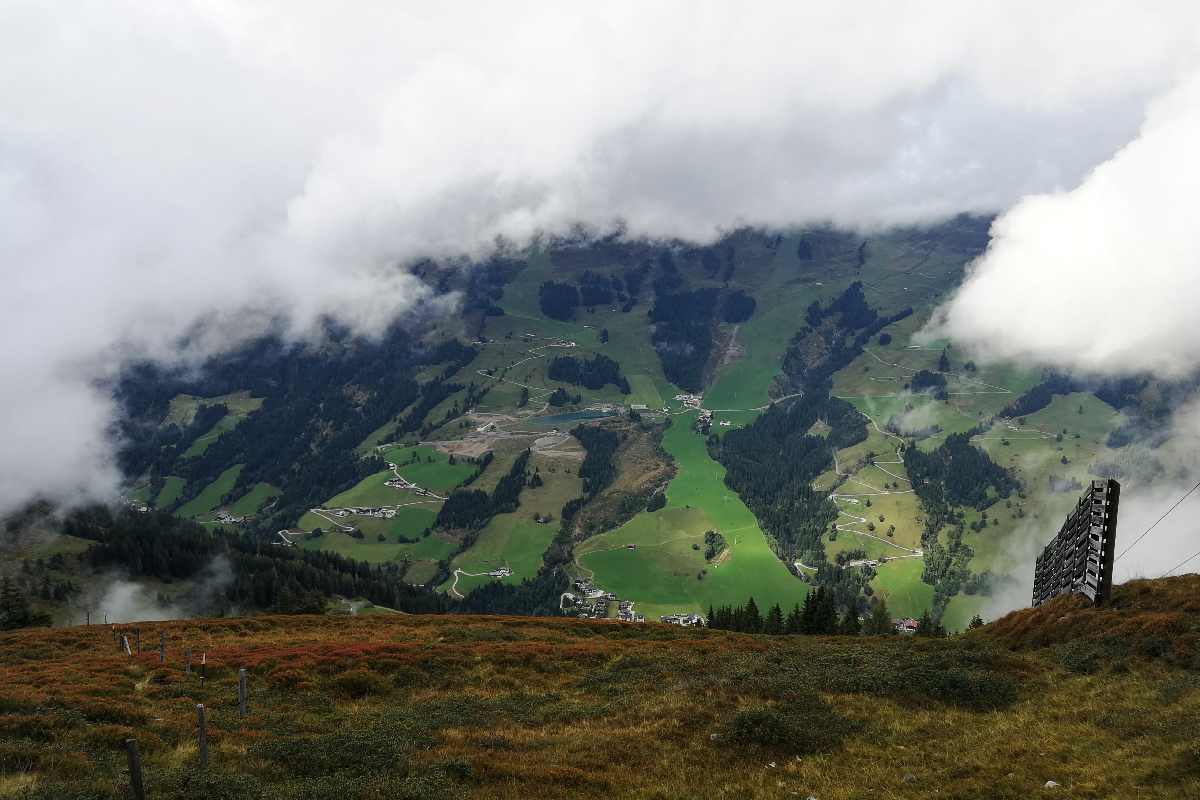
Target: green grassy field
column 899, row 581
column 507, row 541
column 171, row 490
column 370, row 491
column 438, row 475
column 141, row 495
column 183, row 407
column 201, row 444
column 248, row 504
column 515, row 540
column 409, row 522
column 660, row 576
column 210, row 497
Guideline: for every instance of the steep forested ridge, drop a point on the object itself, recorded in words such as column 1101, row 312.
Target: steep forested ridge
column 319, row 404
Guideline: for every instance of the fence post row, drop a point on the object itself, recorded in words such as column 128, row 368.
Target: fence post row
column 134, row 759
column 203, row 736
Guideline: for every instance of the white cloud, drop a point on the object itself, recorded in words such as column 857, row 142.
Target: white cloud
column 1103, row 277
column 170, row 162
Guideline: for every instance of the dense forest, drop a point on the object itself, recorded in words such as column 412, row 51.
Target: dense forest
column 592, row 373
column 234, row 571
column 683, row 335
column 739, row 306
column 472, row 508
column 771, row 463
column 558, row 300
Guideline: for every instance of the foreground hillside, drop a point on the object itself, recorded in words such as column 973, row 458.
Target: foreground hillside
column 426, row 706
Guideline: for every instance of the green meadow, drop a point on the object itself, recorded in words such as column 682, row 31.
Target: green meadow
column 515, row 540
column 170, row 492
column 210, row 497
column 201, row 444
column 660, row 575
column 410, row 522
column 506, row 542
column 438, row 475
column 248, row 503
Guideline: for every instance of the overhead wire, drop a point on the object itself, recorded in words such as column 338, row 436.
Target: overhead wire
column 1177, row 566
column 1160, row 519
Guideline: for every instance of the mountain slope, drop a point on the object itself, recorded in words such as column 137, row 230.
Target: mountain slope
column 365, row 707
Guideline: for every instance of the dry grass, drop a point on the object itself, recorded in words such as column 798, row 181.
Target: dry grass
column 574, row 708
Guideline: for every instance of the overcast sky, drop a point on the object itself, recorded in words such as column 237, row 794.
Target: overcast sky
column 171, row 167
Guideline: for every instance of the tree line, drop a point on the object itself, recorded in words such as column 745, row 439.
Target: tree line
column 818, row 616
column 473, row 509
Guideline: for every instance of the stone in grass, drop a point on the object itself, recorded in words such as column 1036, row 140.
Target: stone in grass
column 910, row 778
column 1051, row 785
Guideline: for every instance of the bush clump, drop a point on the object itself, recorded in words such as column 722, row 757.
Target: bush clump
column 806, row 726
column 361, row 683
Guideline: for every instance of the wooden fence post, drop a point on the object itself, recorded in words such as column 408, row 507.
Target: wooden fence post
column 138, row 633
column 203, row 736
column 241, row 694
column 134, row 760
column 187, row 670
column 162, row 647
column 125, row 645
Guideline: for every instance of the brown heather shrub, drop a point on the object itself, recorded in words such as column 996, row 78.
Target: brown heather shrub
column 361, row 683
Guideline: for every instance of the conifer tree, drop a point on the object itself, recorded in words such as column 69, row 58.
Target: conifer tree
column 774, row 622
column 827, row 619
column 15, row 611
column 808, row 616
column 792, row 625
column 712, row 618
column 753, row 619
column 976, row 622
column 930, row 628
column 851, row 626
column 880, row 623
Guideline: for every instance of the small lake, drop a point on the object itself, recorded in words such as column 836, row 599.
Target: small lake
column 565, row 419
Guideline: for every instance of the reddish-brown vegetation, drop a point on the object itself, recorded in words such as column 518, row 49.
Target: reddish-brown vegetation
column 373, row 707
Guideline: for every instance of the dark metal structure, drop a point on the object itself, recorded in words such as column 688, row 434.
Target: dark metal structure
column 1080, row 558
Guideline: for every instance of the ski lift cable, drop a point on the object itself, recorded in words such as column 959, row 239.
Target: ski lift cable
column 1177, row 566
column 1160, row 519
